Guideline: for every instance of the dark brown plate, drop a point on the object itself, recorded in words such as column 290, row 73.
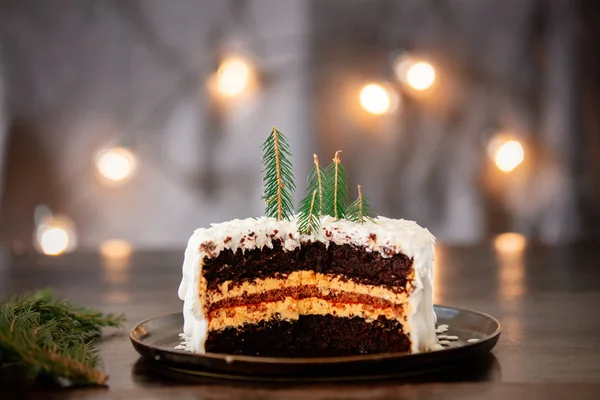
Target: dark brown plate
column 155, row 339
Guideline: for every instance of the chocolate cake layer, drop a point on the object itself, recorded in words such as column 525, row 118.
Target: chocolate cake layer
column 311, row 336
column 346, row 261
column 303, row 292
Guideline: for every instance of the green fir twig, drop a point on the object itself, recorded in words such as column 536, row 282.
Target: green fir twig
column 360, row 210
column 278, row 180
column 311, row 207
column 335, row 193
column 315, row 182
column 51, row 337
column 308, row 219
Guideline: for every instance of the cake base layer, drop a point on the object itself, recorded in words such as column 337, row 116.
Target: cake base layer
column 311, row 336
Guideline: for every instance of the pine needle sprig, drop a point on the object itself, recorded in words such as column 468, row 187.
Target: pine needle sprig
column 278, row 180
column 315, row 182
column 308, row 218
column 52, row 337
column 335, row 192
column 360, row 210
column 311, row 207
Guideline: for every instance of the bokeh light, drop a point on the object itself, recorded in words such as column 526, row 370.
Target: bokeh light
column 53, row 240
column 377, row 99
column 510, row 242
column 509, row 155
column 115, row 249
column 421, row 75
column 54, row 234
column 413, row 72
column 116, row 164
column 234, row 76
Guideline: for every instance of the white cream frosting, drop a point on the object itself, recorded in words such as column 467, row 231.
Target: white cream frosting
column 384, row 235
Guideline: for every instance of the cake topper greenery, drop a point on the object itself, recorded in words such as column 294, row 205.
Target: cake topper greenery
column 335, row 194
column 326, row 192
column 311, row 207
column 52, row 338
column 278, row 181
column 360, row 210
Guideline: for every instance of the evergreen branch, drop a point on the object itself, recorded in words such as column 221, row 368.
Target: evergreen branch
column 53, row 337
column 308, row 219
column 315, row 182
column 360, row 209
column 278, row 180
column 335, row 193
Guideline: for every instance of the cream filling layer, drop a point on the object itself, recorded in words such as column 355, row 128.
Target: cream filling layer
column 323, row 282
column 291, row 309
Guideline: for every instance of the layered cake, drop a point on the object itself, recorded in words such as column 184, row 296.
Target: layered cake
column 326, row 280
column 259, row 287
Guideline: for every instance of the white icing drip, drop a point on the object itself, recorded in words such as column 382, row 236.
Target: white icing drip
column 384, row 235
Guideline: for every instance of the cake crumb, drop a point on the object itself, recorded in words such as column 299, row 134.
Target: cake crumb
column 441, row 328
column 474, row 340
column 452, row 337
column 444, row 342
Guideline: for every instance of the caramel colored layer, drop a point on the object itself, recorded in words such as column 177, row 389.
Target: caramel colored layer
column 300, row 293
column 325, row 283
column 291, row 309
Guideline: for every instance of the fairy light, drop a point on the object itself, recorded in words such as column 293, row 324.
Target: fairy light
column 116, row 164
column 234, row 76
column 510, row 242
column 116, row 261
column 115, row 249
column 377, row 99
column 507, row 152
column 418, row 74
column 54, row 241
column 421, row 75
column 54, row 235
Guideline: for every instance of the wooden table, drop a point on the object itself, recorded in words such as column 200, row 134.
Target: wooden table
column 548, row 299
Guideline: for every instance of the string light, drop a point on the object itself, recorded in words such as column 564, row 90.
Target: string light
column 377, row 99
column 510, row 242
column 418, row 74
column 234, row 76
column 55, row 235
column 116, row 260
column 113, row 249
column 507, row 152
column 116, row 165
column 421, row 75
column 54, row 241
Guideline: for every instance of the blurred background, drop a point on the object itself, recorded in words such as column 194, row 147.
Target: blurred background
column 127, row 124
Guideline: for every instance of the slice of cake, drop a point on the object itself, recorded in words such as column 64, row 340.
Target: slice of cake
column 327, row 280
column 260, row 287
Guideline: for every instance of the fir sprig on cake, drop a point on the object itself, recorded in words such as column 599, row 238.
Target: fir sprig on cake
column 327, row 279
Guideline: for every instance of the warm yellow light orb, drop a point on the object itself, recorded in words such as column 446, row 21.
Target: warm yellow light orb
column 53, row 240
column 509, row 155
column 116, row 164
column 376, row 99
column 510, row 242
column 420, row 75
column 115, row 249
column 233, row 76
